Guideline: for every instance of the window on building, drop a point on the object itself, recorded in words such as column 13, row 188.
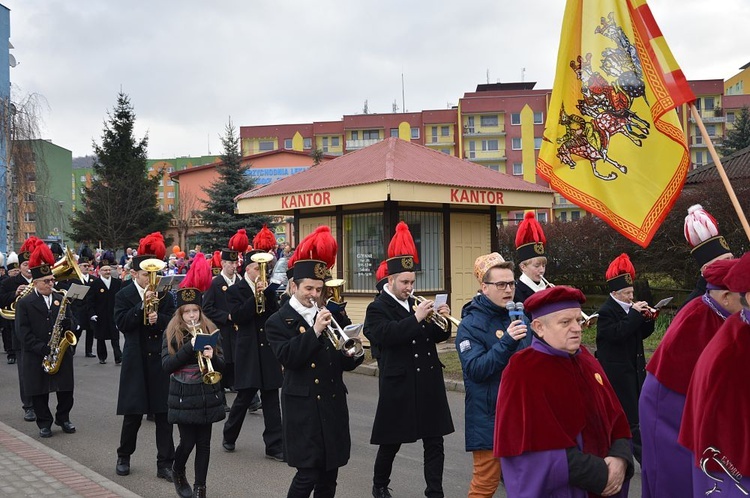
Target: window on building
column 469, row 128
column 394, row 132
column 699, row 158
column 518, row 169
column 564, row 216
column 365, row 251
column 427, row 230
column 265, row 145
column 446, row 151
column 575, row 215
column 515, row 143
column 518, row 218
column 161, row 182
column 538, row 118
column 161, row 195
column 445, row 131
column 371, row 135
column 170, row 183
column 325, row 142
column 515, row 118
column 355, row 134
column 30, row 234
column 29, row 197
column 335, row 142
column 161, row 207
column 489, row 120
column 30, row 177
column 494, row 167
column 288, row 143
column 730, row 117
column 307, row 143
column 414, row 133
column 83, row 178
column 708, row 103
column 434, row 134
column 170, row 207
column 170, row 195
column 711, row 130
column 537, row 143
column 490, row 145
column 541, row 216
column 28, row 216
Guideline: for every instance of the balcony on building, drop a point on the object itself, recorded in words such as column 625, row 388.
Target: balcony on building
column 715, row 115
column 479, row 156
column 361, row 144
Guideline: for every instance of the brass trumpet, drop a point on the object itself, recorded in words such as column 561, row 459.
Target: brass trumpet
column 260, row 299
column 208, row 374
column 344, row 339
column 152, row 266
column 436, row 318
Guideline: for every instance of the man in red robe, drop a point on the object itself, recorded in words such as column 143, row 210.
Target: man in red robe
column 717, row 407
column 559, row 428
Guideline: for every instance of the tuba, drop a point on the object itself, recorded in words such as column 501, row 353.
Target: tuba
column 344, row 339
column 260, row 299
column 64, row 269
column 152, row 266
column 208, row 374
column 59, row 342
column 436, row 318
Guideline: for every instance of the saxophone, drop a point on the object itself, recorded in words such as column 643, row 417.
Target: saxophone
column 59, row 342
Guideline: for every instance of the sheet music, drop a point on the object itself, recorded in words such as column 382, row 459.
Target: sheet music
column 77, row 291
column 169, row 282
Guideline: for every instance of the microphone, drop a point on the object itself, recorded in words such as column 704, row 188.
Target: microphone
column 515, row 310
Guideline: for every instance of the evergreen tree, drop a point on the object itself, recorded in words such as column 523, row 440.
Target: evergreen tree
column 738, row 137
column 121, row 205
column 219, row 213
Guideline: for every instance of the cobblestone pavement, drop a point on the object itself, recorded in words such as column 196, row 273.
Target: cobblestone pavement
column 29, row 468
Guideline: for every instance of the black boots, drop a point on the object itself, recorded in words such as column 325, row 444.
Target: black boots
column 181, row 484
column 199, row 491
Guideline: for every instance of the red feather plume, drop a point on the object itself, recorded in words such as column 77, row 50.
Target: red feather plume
column 529, row 230
column 153, row 243
column 620, row 266
column 382, row 271
column 319, row 245
column 42, row 254
column 30, row 244
column 199, row 275
column 239, row 241
column 402, row 243
column 216, row 260
column 264, row 240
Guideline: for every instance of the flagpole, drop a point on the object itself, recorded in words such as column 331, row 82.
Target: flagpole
column 720, row 169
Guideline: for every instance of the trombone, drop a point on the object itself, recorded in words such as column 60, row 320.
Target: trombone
column 344, row 339
column 588, row 320
column 208, row 374
column 436, row 318
column 260, row 298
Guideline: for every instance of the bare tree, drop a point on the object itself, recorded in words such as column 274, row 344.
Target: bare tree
column 184, row 215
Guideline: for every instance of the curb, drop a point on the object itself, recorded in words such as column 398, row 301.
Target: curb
column 65, row 461
column 373, row 370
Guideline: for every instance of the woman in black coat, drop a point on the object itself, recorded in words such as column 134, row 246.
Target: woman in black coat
column 192, row 404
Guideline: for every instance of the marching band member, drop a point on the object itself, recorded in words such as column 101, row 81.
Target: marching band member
column 36, row 316
column 195, row 402
column 19, row 278
column 714, row 425
column 530, row 251
column 559, row 428
column 103, row 292
column 412, row 402
column 666, row 470
column 144, row 386
column 257, row 368
column 620, row 332
column 316, row 417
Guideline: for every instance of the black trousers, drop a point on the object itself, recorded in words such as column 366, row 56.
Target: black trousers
column 43, row 413
column 5, row 326
column 26, row 402
column 434, row 459
column 164, row 441
column 196, row 436
column 101, row 348
column 227, row 375
column 271, row 417
column 305, row 481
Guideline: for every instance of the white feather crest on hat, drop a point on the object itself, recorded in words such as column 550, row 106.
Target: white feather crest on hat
column 699, row 225
column 12, row 258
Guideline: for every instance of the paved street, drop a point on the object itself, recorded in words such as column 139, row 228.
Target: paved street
column 244, row 473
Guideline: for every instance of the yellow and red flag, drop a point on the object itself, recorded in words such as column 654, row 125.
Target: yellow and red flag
column 613, row 143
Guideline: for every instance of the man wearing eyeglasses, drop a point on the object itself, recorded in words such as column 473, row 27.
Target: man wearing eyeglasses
column 486, row 339
column 36, row 315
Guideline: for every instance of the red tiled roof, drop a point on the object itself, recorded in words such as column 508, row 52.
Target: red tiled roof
column 396, row 160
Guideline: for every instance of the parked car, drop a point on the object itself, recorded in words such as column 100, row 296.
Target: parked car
column 279, row 275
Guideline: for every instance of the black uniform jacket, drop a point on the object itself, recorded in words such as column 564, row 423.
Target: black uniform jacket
column 7, row 297
column 619, row 348
column 34, row 324
column 412, row 402
column 216, row 308
column 144, row 386
column 103, row 306
column 313, row 397
column 255, row 364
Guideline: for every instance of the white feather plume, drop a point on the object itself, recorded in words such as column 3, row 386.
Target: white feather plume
column 699, row 225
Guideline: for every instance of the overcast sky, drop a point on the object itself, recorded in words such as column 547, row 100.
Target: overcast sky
column 188, row 65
